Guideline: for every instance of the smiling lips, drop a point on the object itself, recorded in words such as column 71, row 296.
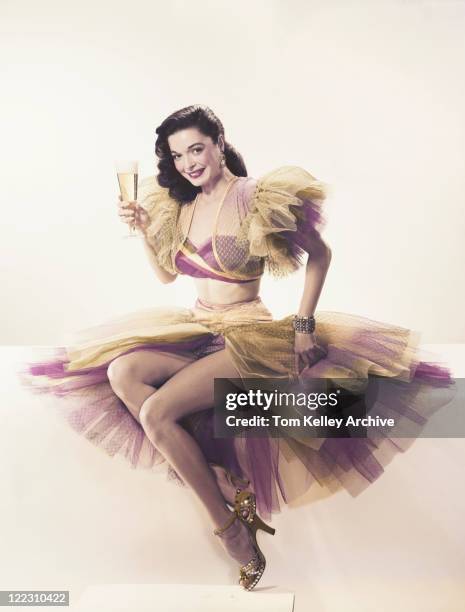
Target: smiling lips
column 196, row 174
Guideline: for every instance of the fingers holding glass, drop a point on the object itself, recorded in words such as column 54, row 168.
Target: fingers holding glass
column 134, row 215
column 127, row 173
column 127, row 213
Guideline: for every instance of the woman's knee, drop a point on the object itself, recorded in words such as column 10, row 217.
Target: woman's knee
column 122, row 372
column 155, row 416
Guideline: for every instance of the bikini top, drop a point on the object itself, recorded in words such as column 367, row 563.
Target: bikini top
column 259, row 225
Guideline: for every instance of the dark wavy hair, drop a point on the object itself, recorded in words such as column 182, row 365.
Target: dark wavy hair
column 205, row 120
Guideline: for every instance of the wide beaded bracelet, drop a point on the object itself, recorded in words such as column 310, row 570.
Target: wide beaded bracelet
column 304, row 325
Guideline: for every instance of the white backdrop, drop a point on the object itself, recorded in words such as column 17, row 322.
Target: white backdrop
column 366, row 96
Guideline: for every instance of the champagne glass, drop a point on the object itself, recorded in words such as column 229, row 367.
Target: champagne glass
column 127, row 172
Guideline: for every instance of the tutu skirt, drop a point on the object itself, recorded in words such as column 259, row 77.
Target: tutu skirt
column 281, row 469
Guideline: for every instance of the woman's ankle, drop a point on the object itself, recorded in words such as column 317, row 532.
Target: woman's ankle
column 222, row 517
column 227, row 488
column 236, row 541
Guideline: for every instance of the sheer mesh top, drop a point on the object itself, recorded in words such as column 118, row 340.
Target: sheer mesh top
column 256, row 227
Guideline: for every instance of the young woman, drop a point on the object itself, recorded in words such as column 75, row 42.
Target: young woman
column 142, row 385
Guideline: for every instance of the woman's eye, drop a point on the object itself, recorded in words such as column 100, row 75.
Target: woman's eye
column 176, row 155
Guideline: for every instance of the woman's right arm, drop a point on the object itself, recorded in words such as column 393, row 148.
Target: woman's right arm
column 162, row 275
column 128, row 214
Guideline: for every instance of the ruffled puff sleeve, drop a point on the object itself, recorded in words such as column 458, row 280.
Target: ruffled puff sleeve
column 163, row 211
column 284, row 206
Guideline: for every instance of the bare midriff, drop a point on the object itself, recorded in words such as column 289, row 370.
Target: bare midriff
column 216, row 292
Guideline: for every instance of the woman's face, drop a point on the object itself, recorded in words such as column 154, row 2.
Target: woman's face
column 195, row 155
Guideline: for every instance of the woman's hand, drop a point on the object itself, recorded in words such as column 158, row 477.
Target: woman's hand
column 307, row 351
column 133, row 214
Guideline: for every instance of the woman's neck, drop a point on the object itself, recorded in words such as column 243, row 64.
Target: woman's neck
column 217, row 185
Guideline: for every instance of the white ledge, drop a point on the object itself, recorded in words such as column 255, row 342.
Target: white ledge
column 182, row 598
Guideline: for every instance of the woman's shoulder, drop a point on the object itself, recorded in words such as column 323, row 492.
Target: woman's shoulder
column 283, row 181
column 150, row 192
column 162, row 210
column 282, row 205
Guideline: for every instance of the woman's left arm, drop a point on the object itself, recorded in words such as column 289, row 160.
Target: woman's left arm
column 306, row 347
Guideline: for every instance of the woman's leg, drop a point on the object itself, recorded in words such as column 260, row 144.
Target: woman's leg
column 188, row 389
column 135, row 376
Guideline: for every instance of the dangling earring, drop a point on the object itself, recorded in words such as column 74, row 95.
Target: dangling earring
column 223, row 161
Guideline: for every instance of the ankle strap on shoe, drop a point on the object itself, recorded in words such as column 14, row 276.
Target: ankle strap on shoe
column 229, row 522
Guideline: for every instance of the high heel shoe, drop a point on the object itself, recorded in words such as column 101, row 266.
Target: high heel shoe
column 235, row 482
column 245, row 509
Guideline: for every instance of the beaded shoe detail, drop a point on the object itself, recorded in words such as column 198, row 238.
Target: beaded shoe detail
column 245, row 509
